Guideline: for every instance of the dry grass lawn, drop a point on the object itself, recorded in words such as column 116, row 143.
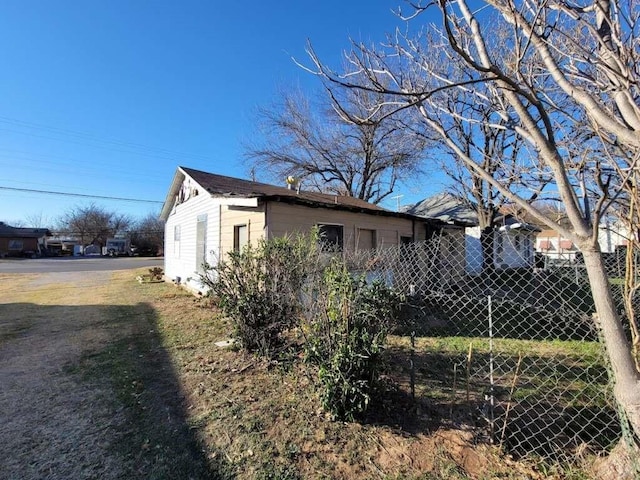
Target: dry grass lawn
column 103, row 377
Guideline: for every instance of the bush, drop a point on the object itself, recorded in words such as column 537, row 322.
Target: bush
column 346, row 334
column 258, row 288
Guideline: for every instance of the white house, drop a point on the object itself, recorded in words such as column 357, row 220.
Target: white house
column 554, row 246
column 209, row 215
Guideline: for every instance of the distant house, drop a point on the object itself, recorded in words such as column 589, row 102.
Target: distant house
column 60, row 244
column 20, row 242
column 557, row 248
column 209, row 215
column 513, row 241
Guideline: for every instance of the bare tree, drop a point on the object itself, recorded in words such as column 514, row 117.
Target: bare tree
column 147, row 234
column 93, row 224
column 38, row 220
column 497, row 151
column 632, row 261
column 566, row 78
column 334, row 148
column 626, row 215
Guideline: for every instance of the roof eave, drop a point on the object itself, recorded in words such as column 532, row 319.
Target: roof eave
column 339, row 206
column 176, row 183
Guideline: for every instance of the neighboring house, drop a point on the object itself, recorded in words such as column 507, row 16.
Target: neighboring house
column 21, row 242
column 513, row 242
column 209, row 215
column 557, row 248
column 554, row 246
column 64, row 245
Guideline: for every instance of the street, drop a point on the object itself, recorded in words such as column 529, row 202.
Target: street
column 76, row 264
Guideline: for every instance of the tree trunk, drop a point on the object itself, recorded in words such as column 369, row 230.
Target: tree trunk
column 627, row 378
column 487, row 243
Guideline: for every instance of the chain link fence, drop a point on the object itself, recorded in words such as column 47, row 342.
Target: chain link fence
column 512, row 352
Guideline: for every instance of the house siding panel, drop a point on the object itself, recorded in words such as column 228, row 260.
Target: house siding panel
column 28, row 245
column 231, row 216
column 285, row 218
column 182, row 262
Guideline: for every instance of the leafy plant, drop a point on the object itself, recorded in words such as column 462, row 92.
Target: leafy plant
column 259, row 287
column 346, row 335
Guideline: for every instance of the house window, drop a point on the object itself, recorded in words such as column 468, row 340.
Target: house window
column 545, row 245
column 331, row 237
column 566, row 244
column 176, row 241
column 240, row 237
column 16, row 244
column 367, row 239
column 201, row 243
column 517, row 242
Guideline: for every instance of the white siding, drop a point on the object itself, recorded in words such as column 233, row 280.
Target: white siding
column 513, row 249
column 473, row 250
column 611, row 236
column 517, row 249
column 182, row 262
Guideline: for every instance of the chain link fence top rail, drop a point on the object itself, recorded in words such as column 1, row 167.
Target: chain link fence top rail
column 513, row 352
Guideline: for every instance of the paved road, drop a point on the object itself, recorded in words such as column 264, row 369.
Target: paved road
column 76, row 264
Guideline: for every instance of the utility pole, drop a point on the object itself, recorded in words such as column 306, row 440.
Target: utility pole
column 397, row 198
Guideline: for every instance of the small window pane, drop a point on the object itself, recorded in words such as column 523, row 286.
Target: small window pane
column 240, row 237
column 331, row 237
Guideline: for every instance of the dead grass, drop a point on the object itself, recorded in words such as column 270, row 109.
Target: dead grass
column 258, row 419
column 51, row 425
column 165, row 402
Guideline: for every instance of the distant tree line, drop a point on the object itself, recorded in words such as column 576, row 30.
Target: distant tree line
column 93, row 225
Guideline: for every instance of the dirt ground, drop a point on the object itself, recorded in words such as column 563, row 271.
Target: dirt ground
column 52, row 425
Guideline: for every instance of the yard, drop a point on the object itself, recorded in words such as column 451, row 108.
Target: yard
column 110, row 378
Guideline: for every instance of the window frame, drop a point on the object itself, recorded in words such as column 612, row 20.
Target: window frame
column 237, row 246
column 338, row 246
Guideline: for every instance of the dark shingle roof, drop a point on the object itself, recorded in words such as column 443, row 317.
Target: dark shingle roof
column 219, row 185
column 7, row 231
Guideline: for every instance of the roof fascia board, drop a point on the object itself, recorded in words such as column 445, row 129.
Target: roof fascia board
column 239, row 201
column 348, row 208
column 176, row 183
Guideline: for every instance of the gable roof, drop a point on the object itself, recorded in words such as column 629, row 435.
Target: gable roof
column 230, row 187
column 454, row 210
column 7, row 231
column 444, row 207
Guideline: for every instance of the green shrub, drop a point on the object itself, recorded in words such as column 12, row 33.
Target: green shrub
column 258, row 288
column 346, row 334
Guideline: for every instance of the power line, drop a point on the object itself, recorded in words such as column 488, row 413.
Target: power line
column 69, row 194
column 75, row 136
column 103, row 167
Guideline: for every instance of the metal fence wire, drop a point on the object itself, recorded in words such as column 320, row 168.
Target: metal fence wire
column 513, row 351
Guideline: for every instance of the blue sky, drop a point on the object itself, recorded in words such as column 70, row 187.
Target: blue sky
column 108, row 98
